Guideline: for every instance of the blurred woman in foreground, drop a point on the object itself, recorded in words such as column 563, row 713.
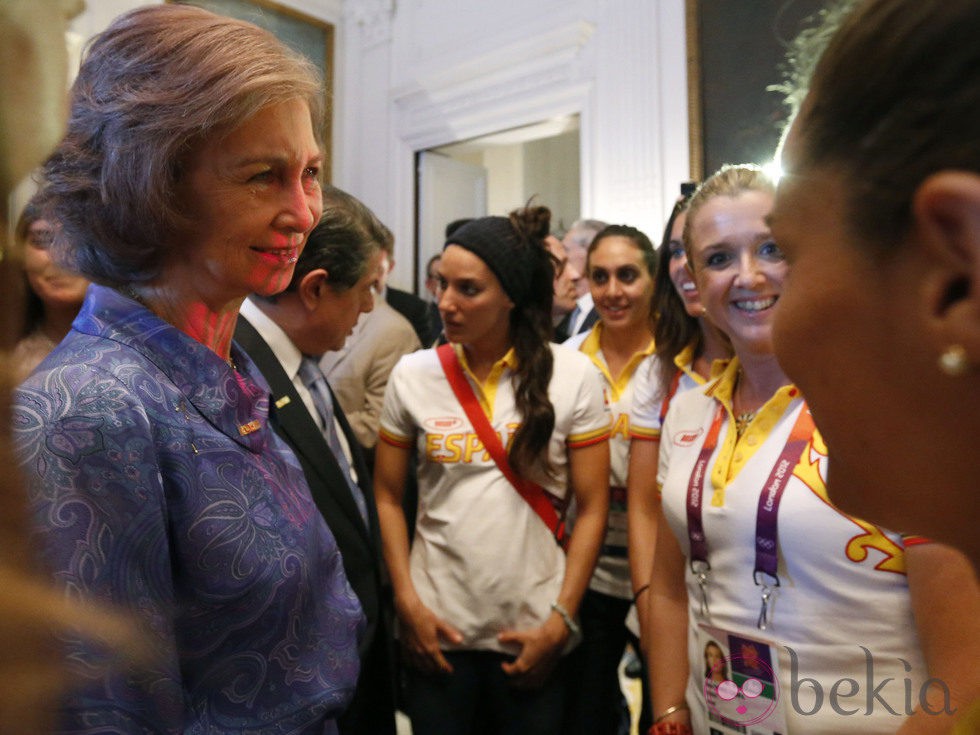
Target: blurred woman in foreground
column 879, row 214
column 886, row 289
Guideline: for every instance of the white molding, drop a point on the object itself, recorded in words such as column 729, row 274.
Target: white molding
column 510, row 105
column 558, row 45
column 523, row 82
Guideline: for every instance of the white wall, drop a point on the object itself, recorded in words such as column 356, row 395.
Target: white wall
column 423, row 73
column 546, row 168
column 548, row 163
column 505, row 186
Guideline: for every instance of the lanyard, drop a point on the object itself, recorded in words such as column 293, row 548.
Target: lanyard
column 765, row 573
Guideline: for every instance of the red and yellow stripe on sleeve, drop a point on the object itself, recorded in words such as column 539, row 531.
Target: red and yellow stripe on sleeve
column 589, row 438
column 395, row 440
column 644, row 434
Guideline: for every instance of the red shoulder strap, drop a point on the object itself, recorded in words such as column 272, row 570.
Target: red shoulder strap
column 674, row 385
column 532, row 493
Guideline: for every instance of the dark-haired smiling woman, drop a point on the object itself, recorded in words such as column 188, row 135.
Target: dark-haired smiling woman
column 486, row 598
column 619, row 264
column 187, row 179
column 687, row 344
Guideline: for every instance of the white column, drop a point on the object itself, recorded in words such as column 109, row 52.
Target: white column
column 640, row 116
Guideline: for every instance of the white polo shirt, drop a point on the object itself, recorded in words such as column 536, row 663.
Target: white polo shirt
column 482, row 559
column 651, row 397
column 842, row 581
column 612, row 572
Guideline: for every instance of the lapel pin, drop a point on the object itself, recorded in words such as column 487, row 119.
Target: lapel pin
column 249, row 428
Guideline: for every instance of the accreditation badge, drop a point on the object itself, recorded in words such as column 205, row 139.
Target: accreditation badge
column 741, row 683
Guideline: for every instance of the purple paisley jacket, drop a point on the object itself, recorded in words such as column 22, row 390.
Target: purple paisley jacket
column 157, row 484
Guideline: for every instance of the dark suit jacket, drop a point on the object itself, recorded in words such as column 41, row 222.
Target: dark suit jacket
column 590, row 319
column 562, row 329
column 435, row 324
column 372, row 709
column 414, row 309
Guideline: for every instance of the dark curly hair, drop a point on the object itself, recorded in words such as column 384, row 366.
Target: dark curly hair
column 33, row 313
column 637, row 237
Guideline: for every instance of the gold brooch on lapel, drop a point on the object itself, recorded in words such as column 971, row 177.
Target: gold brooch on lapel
column 249, row 428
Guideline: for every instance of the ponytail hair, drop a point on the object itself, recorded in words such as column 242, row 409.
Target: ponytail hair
column 530, row 332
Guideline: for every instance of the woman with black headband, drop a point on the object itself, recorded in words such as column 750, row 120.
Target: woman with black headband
column 508, row 430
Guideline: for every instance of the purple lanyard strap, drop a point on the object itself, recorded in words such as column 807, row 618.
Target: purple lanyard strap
column 767, row 529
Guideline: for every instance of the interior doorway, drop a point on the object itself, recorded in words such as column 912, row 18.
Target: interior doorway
column 493, row 174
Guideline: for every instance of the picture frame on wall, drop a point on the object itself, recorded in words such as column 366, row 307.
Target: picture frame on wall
column 736, row 51
column 309, row 36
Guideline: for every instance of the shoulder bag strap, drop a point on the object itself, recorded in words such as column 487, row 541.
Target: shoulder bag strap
column 532, row 493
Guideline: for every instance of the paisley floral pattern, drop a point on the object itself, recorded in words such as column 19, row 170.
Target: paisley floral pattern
column 152, row 488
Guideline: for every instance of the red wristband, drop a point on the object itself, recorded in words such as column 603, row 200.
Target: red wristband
column 669, row 728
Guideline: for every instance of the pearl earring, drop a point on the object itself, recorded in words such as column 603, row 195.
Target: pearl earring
column 953, row 361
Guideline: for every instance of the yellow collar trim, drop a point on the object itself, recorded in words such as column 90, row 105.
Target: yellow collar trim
column 486, row 391
column 718, row 367
column 591, row 347
column 736, row 451
column 684, row 360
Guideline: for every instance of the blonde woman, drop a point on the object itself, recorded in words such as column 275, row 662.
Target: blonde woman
column 750, row 551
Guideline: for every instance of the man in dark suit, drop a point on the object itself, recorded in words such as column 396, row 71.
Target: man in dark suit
column 285, row 335
column 564, row 285
column 414, row 309
column 576, row 241
column 407, row 304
